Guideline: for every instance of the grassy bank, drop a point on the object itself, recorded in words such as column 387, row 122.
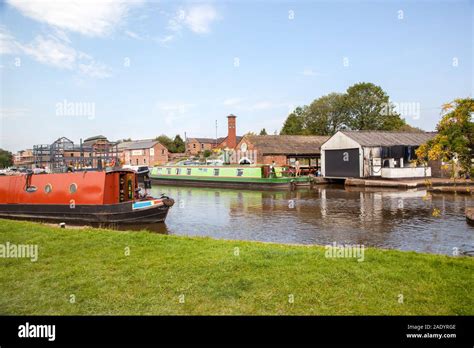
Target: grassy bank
column 91, row 265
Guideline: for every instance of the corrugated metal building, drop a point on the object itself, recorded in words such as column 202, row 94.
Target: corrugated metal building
column 363, row 154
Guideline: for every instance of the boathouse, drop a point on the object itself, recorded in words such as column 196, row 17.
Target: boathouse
column 283, row 149
column 364, row 154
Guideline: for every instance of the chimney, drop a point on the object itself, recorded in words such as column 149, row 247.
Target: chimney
column 231, row 132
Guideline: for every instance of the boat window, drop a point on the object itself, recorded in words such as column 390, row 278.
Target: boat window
column 73, row 188
column 216, row 172
column 31, row 189
column 168, row 170
column 48, row 188
column 188, row 171
column 178, row 171
column 240, row 172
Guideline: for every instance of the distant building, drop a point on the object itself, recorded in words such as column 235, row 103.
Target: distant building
column 147, row 152
column 195, row 146
column 363, row 154
column 24, row 158
column 283, row 149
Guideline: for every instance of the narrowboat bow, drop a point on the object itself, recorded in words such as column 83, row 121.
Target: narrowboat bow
column 90, row 197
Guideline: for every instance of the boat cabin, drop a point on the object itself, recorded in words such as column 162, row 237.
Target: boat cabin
column 88, row 187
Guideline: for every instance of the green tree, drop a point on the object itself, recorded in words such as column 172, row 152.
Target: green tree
column 369, row 108
column 263, row 132
column 294, row 122
column 178, row 144
column 168, row 142
column 207, row 153
column 6, row 158
column 455, row 136
column 326, row 115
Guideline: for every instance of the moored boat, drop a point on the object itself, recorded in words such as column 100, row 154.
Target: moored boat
column 228, row 176
column 90, row 197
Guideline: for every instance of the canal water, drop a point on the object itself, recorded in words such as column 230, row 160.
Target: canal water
column 405, row 220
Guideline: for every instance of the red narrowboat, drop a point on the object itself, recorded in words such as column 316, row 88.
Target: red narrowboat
column 90, row 197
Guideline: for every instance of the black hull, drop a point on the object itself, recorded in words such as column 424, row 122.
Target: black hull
column 86, row 214
column 229, row 184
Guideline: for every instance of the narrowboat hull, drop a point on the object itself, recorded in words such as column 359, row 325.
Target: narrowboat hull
column 121, row 213
column 263, row 183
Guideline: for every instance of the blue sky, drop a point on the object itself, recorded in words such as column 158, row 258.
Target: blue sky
column 140, row 69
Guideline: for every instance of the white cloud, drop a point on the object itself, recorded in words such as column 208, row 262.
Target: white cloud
column 91, row 18
column 52, row 52
column 133, row 35
column 197, row 18
column 166, row 39
column 95, row 69
column 8, row 45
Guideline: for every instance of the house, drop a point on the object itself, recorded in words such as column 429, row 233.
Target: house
column 283, row 149
column 24, row 158
column 363, row 154
column 147, row 152
column 195, row 146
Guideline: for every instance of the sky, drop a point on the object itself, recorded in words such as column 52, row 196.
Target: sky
column 139, row 69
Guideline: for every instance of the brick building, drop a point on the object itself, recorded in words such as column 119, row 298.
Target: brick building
column 195, row 146
column 147, row 152
column 24, row 158
column 283, row 149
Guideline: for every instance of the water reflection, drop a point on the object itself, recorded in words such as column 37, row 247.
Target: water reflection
column 383, row 218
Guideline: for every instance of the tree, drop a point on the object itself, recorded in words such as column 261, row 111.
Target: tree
column 178, row 143
column 294, row 123
column 364, row 106
column 263, row 132
column 166, row 141
column 207, row 153
column 6, row 158
column 455, row 138
column 326, row 115
column 370, row 108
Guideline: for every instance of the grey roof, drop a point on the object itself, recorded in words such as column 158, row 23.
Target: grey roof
column 287, row 144
column 205, row 140
column 137, row 144
column 94, row 138
column 381, row 138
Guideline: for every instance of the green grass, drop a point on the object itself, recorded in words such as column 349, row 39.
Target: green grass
column 91, row 264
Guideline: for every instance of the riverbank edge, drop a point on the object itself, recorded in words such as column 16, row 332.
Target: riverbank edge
column 220, row 277
column 458, row 186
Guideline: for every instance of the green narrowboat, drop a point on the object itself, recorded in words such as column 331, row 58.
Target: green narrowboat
column 228, row 176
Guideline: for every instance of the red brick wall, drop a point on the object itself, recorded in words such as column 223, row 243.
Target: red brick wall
column 231, row 132
column 194, row 147
column 159, row 155
column 279, row 159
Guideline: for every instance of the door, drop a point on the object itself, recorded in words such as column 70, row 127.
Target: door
column 342, row 163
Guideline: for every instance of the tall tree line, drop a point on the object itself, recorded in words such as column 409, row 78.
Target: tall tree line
column 364, row 106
